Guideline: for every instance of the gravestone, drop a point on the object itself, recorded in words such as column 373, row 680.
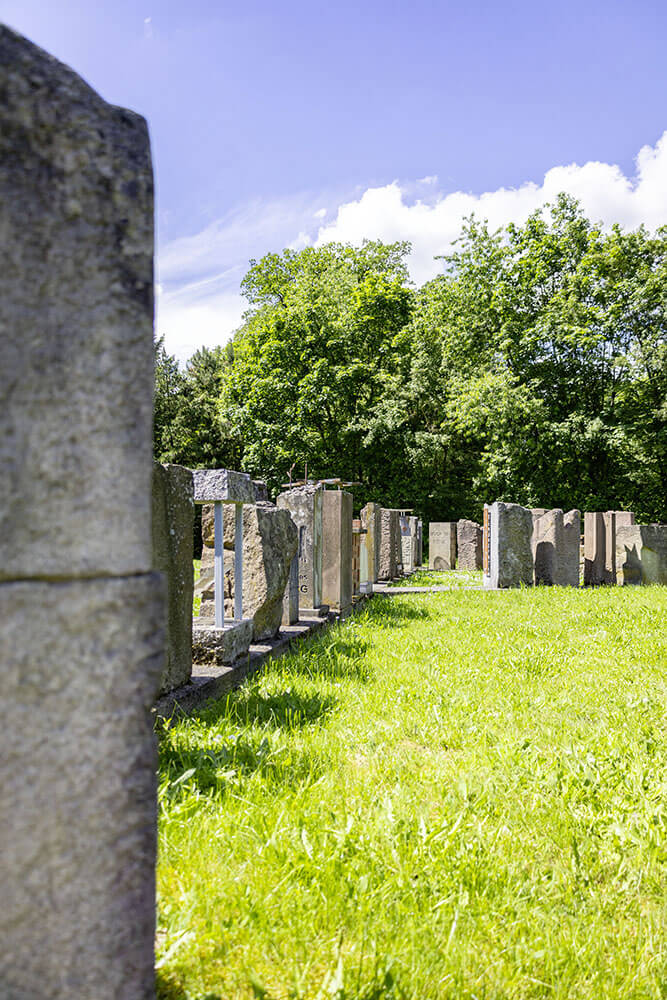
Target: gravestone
column 304, row 504
column 356, row 555
column 468, row 545
column 173, row 545
column 547, row 544
column 595, row 531
column 82, row 638
column 568, row 570
column 388, row 562
column 442, row 545
column 291, row 596
column 337, row 549
column 641, row 553
column 420, row 542
column 510, row 559
column 614, row 519
column 371, row 522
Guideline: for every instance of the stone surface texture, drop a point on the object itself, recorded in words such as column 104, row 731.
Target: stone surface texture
column 595, row 532
column 371, row 522
column 387, row 560
column 78, row 814
column 442, row 545
column 82, row 635
column 547, row 543
column 173, row 547
column 261, row 491
column 510, row 548
column 641, row 553
column 213, row 646
column 468, row 545
column 269, row 545
column 568, row 570
column 304, row 504
column 224, row 485
column 76, row 322
column 291, row 596
column 337, row 549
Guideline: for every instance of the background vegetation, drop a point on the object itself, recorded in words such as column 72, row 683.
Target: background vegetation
column 533, row 369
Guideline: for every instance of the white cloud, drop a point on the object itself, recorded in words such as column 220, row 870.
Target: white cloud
column 200, row 302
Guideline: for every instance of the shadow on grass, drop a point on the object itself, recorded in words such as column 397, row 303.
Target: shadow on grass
column 286, row 709
column 392, row 612
column 166, row 988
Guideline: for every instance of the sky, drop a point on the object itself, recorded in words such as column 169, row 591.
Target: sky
column 294, row 123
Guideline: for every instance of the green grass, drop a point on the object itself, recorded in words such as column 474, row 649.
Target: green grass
column 196, row 601
column 449, row 796
column 454, row 578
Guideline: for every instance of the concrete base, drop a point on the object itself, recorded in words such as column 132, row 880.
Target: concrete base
column 220, row 645
column 308, row 613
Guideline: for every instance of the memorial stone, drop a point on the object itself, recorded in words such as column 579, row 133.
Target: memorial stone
column 510, row 560
column 568, row 569
column 614, row 519
column 82, row 638
column 173, row 544
column 304, row 504
column 337, row 550
column 595, row 531
column 468, row 545
column 442, row 545
column 291, row 597
column 388, row 563
column 371, row 522
column 641, row 553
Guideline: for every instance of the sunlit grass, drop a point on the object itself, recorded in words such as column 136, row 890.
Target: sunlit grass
column 456, row 795
column 453, row 578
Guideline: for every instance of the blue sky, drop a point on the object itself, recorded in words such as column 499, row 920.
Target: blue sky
column 278, row 124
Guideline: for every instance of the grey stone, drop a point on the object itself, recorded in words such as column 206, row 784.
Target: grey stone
column 291, row 596
column 223, row 485
column 568, row 569
column 304, row 504
column 420, row 542
column 76, row 324
column 81, row 663
column 388, row 554
column 173, row 545
column 408, row 526
column 468, row 545
column 269, row 545
column 595, row 532
column 261, row 491
column 641, row 553
column 337, row 549
column 614, row 519
column 510, row 551
column 213, row 646
column 371, row 522
column 442, row 545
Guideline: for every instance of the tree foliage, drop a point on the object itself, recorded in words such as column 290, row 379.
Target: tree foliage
column 534, row 369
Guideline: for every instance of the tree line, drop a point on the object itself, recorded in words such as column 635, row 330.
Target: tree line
column 532, row 369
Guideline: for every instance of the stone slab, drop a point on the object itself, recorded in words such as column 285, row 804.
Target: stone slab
column 510, row 548
column 468, row 545
column 595, row 536
column 337, row 549
column 390, row 544
column 291, row 596
column 223, row 485
column 547, row 543
column 371, row 521
column 173, row 550
column 220, row 645
column 76, row 324
column 442, row 545
column 569, row 563
column 81, row 661
column 305, row 507
column 641, row 554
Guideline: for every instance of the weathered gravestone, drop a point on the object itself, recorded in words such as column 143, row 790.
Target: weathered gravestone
column 420, row 542
column 371, row 522
column 468, row 545
column 389, row 545
column 641, row 553
column 510, row 555
column 614, row 519
column 337, row 549
column 173, row 545
column 442, row 545
column 594, row 549
column 218, row 641
column 556, row 548
column 291, row 595
column 569, row 564
column 82, row 638
column 304, row 504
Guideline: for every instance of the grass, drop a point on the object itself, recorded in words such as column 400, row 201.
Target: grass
column 456, row 579
column 453, row 795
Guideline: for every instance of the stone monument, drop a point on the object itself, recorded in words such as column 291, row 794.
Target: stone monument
column 442, row 545
column 468, row 545
column 641, row 553
column 509, row 529
column 82, row 637
column 337, row 550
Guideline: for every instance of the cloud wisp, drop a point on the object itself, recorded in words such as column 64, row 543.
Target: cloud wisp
column 200, row 303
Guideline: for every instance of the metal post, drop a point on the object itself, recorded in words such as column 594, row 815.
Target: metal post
column 238, row 562
column 218, row 566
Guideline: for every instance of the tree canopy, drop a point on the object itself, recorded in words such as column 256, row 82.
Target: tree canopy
column 533, row 369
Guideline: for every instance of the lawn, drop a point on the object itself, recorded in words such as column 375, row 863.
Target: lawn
column 456, row 795
column 454, row 578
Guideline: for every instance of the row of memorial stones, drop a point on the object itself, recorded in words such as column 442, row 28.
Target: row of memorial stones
column 295, row 559
column 543, row 547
